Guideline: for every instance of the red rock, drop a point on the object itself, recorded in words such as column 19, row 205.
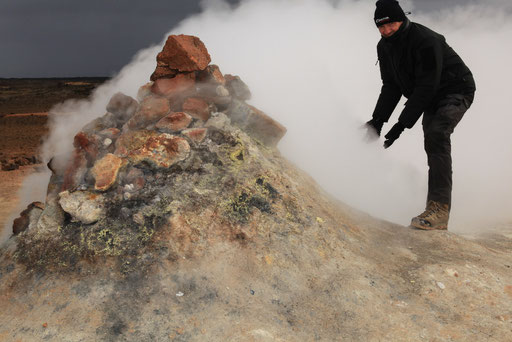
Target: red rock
column 179, row 85
column 211, row 74
column 237, row 87
column 105, row 171
column 174, row 122
column 32, row 212
column 87, row 143
column 184, row 53
column 195, row 134
column 262, row 127
column 75, row 170
column 163, row 72
column 144, row 91
column 122, row 106
column 151, row 109
column 197, row 108
column 158, row 149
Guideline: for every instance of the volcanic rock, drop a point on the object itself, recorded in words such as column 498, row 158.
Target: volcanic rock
column 184, row 53
column 195, row 134
column 150, row 111
column 28, row 218
column 122, row 106
column 174, row 87
column 158, row 149
column 211, row 74
column 83, row 206
column 174, row 122
column 197, row 108
column 237, row 87
column 105, row 171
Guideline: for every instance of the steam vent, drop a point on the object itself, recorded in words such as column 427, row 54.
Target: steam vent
column 177, row 219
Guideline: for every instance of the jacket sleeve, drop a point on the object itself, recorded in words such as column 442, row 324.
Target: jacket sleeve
column 390, row 93
column 427, row 77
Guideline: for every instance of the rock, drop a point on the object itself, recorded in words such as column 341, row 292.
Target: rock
column 144, row 91
column 135, row 177
column 106, row 121
column 177, row 86
column 27, row 217
column 221, row 91
column 151, row 109
column 88, row 143
column 163, row 72
column 197, row 108
column 9, row 166
column 122, row 106
column 174, row 122
column 105, row 171
column 211, row 74
column 262, row 127
column 83, row 206
column 184, row 53
column 110, row 133
column 237, row 87
column 195, row 134
column 158, row 149
column 75, row 171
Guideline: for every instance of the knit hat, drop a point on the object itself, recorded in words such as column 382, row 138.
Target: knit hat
column 388, row 11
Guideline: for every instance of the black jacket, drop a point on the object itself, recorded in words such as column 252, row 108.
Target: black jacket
column 416, row 62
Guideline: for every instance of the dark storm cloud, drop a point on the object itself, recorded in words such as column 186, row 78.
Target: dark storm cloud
column 61, row 38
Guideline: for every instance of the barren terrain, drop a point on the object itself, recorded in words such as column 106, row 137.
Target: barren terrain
column 24, row 105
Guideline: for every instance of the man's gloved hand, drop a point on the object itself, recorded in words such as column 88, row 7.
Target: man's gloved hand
column 374, row 127
column 393, row 134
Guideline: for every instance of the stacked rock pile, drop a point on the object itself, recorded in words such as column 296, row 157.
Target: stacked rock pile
column 120, row 158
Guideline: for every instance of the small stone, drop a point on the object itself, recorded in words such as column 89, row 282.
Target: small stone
column 107, row 142
column 105, row 171
column 158, row 149
column 221, row 91
column 441, row 285
column 151, row 110
column 211, row 74
column 180, row 294
column 174, row 122
column 195, row 134
column 122, row 106
column 197, row 108
column 83, row 206
column 144, row 91
column 237, row 87
column 184, row 53
column 163, row 72
column 180, row 85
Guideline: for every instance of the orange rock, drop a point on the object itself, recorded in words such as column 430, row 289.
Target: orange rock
column 184, row 53
column 158, row 149
column 211, row 74
column 163, row 72
column 195, row 134
column 180, row 85
column 197, row 108
column 174, row 122
column 105, row 171
column 151, row 109
column 263, row 127
column 87, row 143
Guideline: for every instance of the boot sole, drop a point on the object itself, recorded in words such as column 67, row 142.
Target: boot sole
column 422, row 227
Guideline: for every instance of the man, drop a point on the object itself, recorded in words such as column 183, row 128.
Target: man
column 417, row 63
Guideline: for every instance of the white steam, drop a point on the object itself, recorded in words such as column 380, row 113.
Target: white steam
column 310, row 64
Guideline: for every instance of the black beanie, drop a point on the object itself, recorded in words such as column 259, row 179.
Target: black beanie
column 388, row 11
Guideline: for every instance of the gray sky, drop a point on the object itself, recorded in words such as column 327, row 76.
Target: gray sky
column 63, row 38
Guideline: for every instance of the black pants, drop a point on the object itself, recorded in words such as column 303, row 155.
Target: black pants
column 438, row 125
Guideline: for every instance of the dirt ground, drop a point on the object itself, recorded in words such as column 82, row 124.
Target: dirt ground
column 24, row 106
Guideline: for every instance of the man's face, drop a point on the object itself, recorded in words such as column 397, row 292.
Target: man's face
column 387, row 30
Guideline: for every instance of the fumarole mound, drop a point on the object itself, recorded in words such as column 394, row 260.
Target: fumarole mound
column 176, row 219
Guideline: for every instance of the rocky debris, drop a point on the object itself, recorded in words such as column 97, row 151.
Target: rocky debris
column 237, row 87
column 122, row 106
column 105, row 171
column 174, row 122
column 211, row 74
column 183, row 53
column 195, row 134
column 83, row 206
column 197, row 108
column 183, row 83
column 14, row 163
column 151, row 110
column 27, row 218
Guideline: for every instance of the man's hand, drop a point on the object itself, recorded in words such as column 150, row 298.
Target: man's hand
column 373, row 129
column 393, row 134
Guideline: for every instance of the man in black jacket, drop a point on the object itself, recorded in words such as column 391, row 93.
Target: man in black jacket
column 417, row 63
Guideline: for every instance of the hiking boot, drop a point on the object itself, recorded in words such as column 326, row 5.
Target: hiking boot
column 435, row 217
